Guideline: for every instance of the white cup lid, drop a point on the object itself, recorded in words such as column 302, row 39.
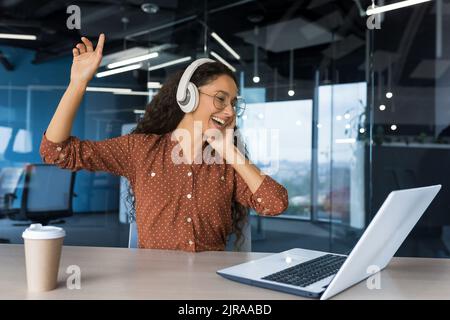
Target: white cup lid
column 38, row 232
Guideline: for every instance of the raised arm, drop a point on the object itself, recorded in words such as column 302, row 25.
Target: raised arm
column 58, row 147
column 85, row 63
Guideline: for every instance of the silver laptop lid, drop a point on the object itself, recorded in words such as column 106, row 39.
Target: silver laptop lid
column 389, row 228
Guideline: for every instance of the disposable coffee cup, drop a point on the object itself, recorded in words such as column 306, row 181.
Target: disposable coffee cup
column 42, row 255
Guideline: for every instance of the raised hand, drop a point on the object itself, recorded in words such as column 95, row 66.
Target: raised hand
column 86, row 60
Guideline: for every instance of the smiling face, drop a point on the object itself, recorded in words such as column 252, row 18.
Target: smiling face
column 225, row 90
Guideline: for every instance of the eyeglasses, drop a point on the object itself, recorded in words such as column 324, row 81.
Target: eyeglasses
column 220, row 102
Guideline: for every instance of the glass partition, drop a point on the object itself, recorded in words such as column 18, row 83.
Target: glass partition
column 341, row 108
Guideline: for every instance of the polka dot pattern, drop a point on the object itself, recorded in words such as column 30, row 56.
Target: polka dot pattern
column 178, row 206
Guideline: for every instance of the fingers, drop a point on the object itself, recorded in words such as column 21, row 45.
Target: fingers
column 81, row 47
column 100, row 44
column 88, row 44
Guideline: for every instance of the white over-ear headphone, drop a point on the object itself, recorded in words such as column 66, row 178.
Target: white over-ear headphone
column 187, row 92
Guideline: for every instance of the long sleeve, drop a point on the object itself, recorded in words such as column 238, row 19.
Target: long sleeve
column 271, row 198
column 113, row 155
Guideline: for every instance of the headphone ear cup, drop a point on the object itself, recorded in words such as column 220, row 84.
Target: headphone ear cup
column 192, row 103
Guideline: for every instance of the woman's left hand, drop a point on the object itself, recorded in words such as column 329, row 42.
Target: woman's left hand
column 223, row 140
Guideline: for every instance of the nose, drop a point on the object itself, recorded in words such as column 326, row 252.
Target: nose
column 229, row 110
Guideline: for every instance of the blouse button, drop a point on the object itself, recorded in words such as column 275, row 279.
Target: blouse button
column 58, row 148
column 222, row 178
column 189, row 219
column 189, row 196
column 191, row 242
column 153, row 174
column 189, row 174
column 259, row 199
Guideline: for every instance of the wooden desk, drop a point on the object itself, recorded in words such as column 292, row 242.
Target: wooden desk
column 120, row 273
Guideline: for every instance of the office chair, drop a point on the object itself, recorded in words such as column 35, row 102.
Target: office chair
column 9, row 181
column 133, row 237
column 246, row 245
column 47, row 194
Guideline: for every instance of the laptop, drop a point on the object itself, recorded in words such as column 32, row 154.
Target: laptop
column 317, row 274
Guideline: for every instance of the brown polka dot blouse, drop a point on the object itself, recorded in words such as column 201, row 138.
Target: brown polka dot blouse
column 178, row 206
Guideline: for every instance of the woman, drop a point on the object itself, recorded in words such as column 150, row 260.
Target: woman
column 192, row 205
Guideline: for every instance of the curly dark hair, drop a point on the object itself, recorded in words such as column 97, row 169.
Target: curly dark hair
column 162, row 115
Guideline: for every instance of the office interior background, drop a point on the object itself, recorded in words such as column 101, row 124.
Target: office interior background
column 360, row 109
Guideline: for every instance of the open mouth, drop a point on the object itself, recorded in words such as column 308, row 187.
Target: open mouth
column 218, row 122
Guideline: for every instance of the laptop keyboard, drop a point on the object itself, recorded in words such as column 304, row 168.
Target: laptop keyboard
column 309, row 272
